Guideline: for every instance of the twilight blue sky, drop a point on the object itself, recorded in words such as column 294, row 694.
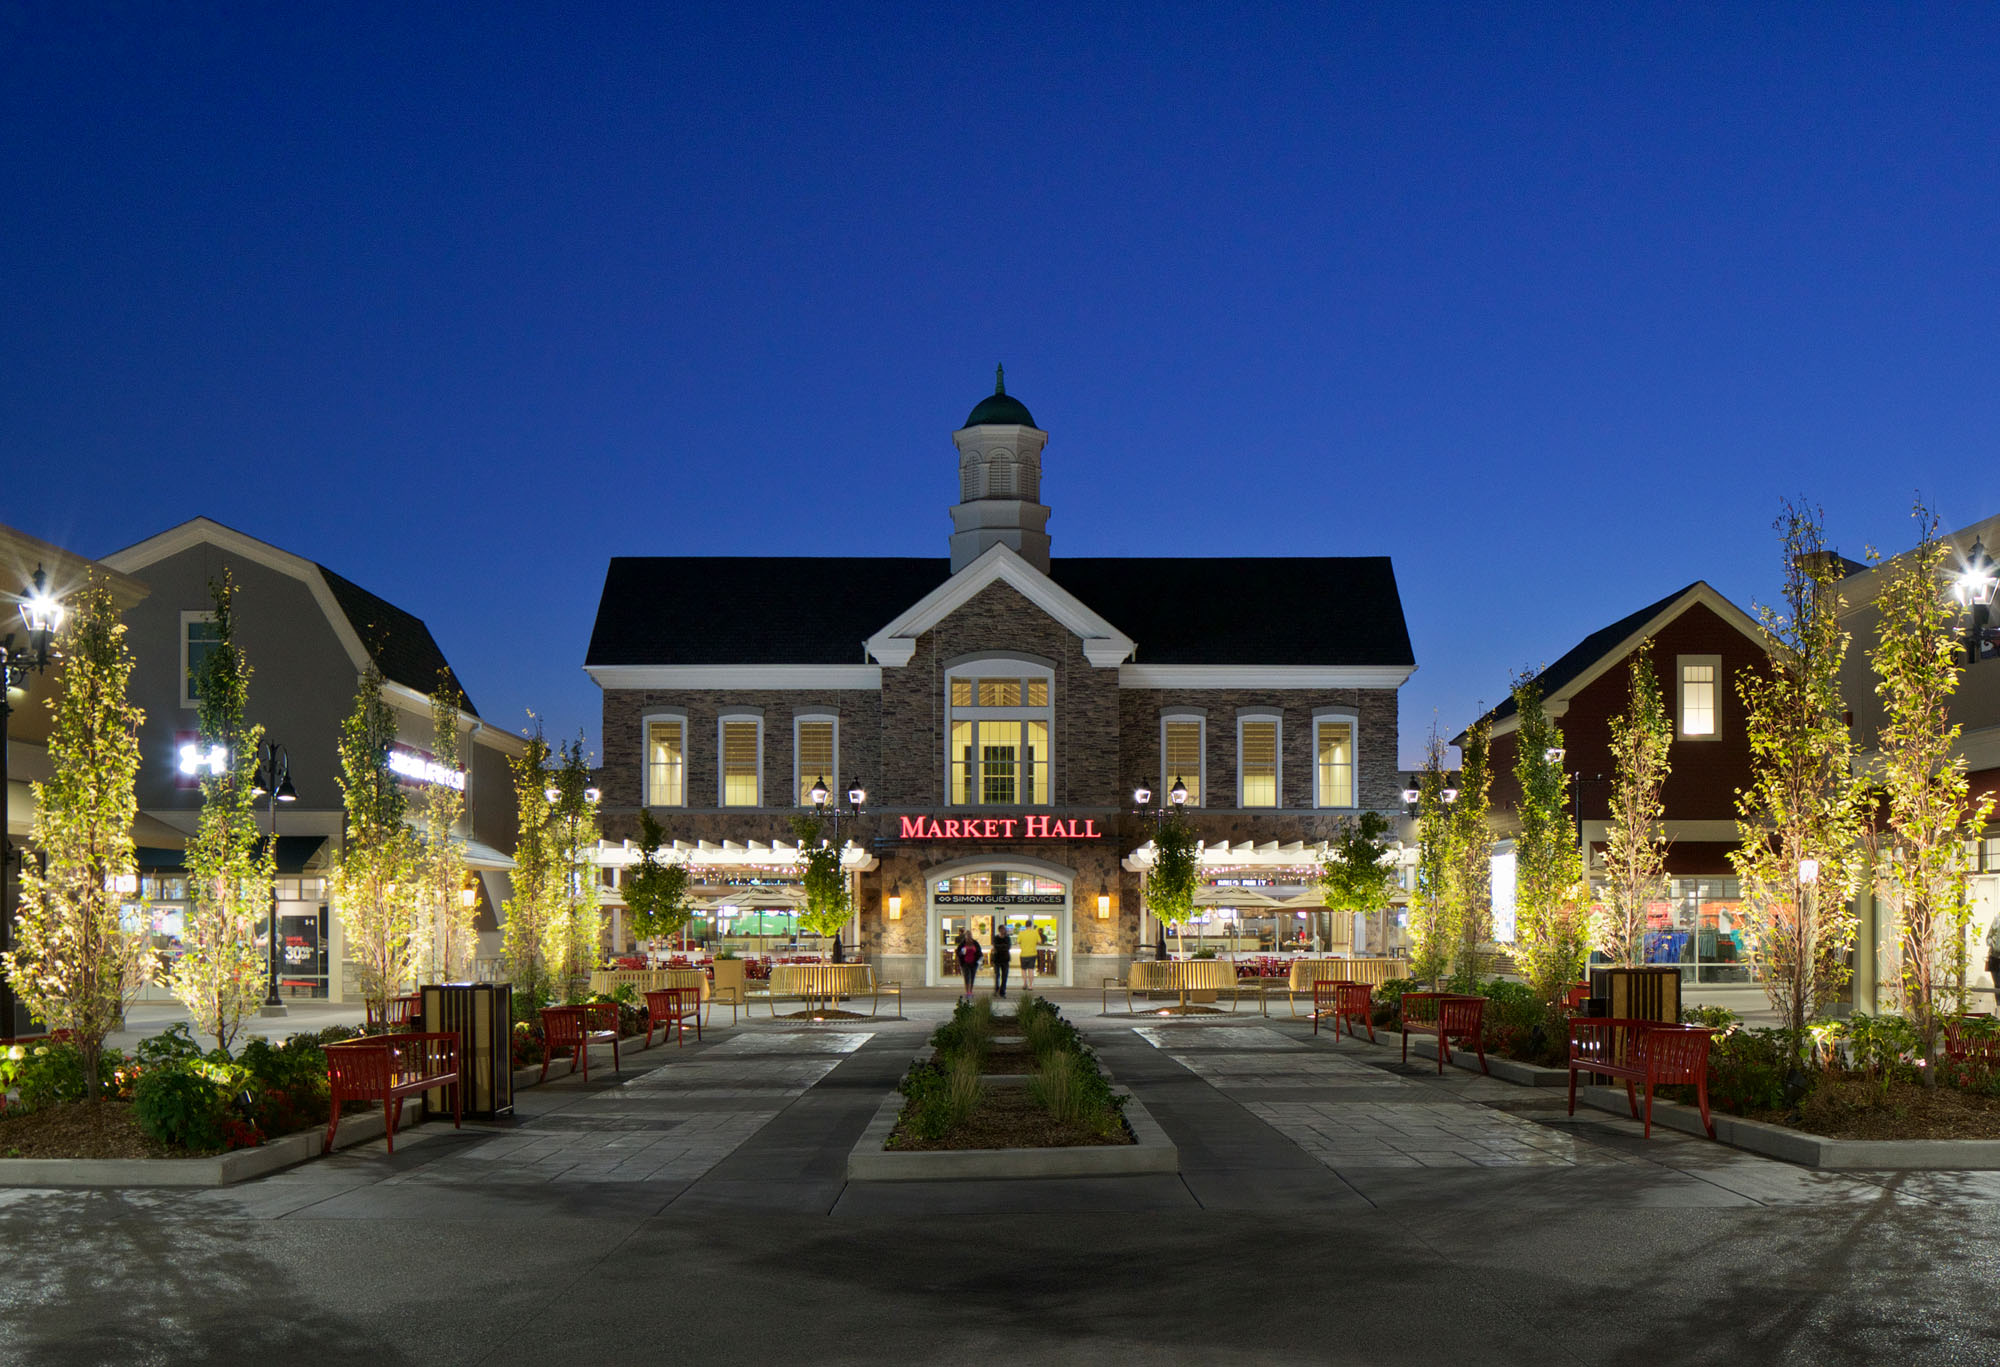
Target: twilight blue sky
column 1552, row 303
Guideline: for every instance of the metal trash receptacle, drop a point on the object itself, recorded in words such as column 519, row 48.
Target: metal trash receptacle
column 482, row 1016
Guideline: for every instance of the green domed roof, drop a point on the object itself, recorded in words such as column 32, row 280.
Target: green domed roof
column 1000, row 409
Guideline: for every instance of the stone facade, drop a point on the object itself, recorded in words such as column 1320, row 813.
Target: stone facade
column 1105, row 739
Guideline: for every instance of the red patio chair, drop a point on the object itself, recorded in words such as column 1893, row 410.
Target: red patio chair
column 573, row 1029
column 673, row 1007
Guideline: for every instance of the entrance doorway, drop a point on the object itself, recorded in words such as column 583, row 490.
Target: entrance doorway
column 975, row 895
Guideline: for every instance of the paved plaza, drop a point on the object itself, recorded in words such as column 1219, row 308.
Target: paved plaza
column 1334, row 1205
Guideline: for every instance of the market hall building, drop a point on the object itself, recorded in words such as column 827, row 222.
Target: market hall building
column 1000, row 707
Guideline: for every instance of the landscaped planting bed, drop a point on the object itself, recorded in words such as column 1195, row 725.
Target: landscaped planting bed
column 1067, row 1101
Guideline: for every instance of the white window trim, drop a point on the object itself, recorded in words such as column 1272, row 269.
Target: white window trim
column 837, row 794
column 1200, row 719
column 186, row 618
column 998, row 667
column 1681, row 662
column 1325, row 714
column 1279, row 755
column 721, row 765
column 646, row 755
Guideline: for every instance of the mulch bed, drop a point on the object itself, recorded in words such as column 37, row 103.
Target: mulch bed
column 1009, row 1118
column 1009, row 1060
column 1855, row 1108
column 830, row 1014
column 80, row 1129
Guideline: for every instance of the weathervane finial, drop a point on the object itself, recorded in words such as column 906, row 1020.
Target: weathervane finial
column 999, row 379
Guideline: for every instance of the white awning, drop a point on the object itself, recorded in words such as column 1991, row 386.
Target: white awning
column 750, row 854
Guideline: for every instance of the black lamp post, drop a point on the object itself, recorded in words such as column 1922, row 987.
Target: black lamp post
column 273, row 783
column 1175, row 805
column 820, row 795
column 42, row 616
column 1974, row 588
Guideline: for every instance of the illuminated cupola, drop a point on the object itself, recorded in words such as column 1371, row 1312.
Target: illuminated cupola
column 1000, row 482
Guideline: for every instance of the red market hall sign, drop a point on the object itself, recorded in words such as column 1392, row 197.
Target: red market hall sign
column 1000, row 828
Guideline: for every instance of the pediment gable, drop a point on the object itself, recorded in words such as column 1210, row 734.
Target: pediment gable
column 1103, row 644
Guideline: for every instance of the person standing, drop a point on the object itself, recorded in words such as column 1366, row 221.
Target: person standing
column 1003, row 954
column 968, row 960
column 1031, row 945
column 1993, row 959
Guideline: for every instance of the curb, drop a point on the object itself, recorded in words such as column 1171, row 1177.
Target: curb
column 868, row 1161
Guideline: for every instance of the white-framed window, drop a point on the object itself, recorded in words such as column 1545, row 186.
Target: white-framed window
column 1183, row 756
column 1259, row 763
column 1001, row 714
column 1334, row 765
column 666, row 760
column 816, row 756
column 739, row 751
column 1699, row 705
column 199, row 639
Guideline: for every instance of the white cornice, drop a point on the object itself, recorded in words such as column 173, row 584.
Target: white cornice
column 206, row 531
column 735, row 676
column 1263, row 676
column 1103, row 644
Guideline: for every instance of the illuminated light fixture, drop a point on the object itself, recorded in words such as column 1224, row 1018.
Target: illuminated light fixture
column 123, row 884
column 1413, row 794
column 895, row 908
column 468, row 897
column 41, row 611
column 1809, row 871
column 195, row 760
column 818, row 792
column 551, row 794
column 1976, row 585
column 1449, row 794
column 856, row 794
column 1554, row 754
column 1103, row 906
column 1178, row 794
column 1142, row 795
column 592, row 794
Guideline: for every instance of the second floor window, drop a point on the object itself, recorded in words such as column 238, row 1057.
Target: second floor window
column 999, row 737
column 1335, row 747
column 1257, row 762
column 666, row 764
column 1699, row 675
column 1180, row 753
column 742, row 762
column 816, row 759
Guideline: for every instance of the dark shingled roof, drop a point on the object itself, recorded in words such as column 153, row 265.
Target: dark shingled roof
column 1587, row 652
column 776, row 610
column 400, row 645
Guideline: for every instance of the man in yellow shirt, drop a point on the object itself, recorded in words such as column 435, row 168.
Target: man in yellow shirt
column 1030, row 942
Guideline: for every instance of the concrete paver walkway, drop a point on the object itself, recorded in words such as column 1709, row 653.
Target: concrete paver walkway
column 1333, row 1205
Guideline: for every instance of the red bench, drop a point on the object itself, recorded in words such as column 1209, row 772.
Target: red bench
column 388, row 1068
column 671, row 1007
column 1976, row 1048
column 1345, row 1004
column 1450, row 1017
column 1641, row 1052
column 397, row 1013
column 573, row 1029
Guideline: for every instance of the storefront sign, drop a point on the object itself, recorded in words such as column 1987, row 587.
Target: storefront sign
column 1001, row 899
column 420, row 766
column 1000, row 828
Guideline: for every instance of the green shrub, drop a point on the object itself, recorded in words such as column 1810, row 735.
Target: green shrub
column 52, row 1073
column 1389, row 999
column 1075, row 1092
column 1709, row 1017
column 1517, row 1021
column 1747, row 1070
column 941, row 1093
column 969, row 1031
column 180, row 1104
column 175, row 1044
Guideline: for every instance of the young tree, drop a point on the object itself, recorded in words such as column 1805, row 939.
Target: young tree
column 1551, row 899
column 531, row 910
column 1799, row 823
column 1635, row 847
column 73, row 964
column 828, row 903
column 1432, row 935
column 447, row 939
column 1359, row 874
column 1917, row 661
column 375, row 879
column 1171, row 885
column 656, row 889
column 577, row 927
column 220, row 975
column 1469, row 882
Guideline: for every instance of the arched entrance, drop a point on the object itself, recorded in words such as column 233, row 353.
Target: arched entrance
column 976, row 893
